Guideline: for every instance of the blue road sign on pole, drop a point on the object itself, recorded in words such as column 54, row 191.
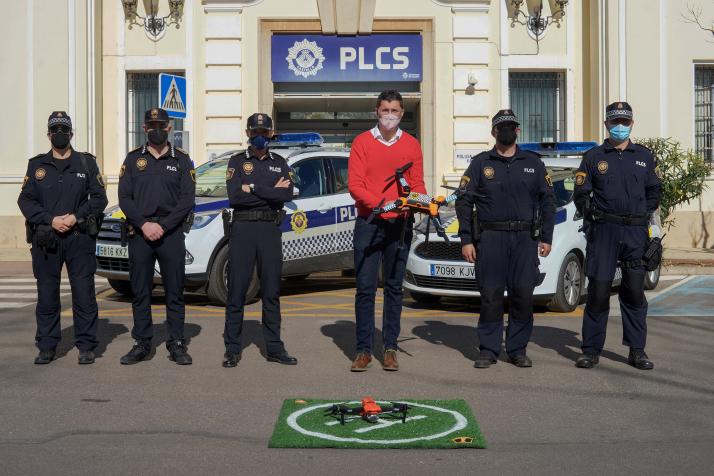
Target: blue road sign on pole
column 172, row 94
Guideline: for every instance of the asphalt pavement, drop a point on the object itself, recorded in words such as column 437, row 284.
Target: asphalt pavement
column 157, row 417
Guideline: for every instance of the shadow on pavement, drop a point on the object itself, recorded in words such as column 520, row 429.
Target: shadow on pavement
column 457, row 337
column 561, row 341
column 161, row 335
column 106, row 333
column 342, row 334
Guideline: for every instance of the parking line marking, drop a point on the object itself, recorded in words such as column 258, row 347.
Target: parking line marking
column 670, row 288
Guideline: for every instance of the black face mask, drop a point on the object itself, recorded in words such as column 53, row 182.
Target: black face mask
column 506, row 135
column 158, row 136
column 59, row 140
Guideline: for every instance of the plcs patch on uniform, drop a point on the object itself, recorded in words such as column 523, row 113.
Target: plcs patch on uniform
column 548, row 180
column 465, row 179
column 580, row 178
column 141, row 163
column 248, row 168
column 122, row 170
column 229, row 173
column 489, row 173
column 602, row 167
column 24, row 181
column 192, row 173
column 40, row 173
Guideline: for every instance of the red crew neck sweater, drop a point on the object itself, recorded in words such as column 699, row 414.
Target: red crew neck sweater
column 371, row 163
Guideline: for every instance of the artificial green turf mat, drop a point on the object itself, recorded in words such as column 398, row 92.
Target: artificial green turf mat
column 303, row 424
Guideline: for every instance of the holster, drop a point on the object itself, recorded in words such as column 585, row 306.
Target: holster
column 46, row 238
column 188, row 223
column 93, row 224
column 29, row 232
column 227, row 217
column 281, row 215
column 537, row 226
column 652, row 256
column 124, row 232
column 475, row 228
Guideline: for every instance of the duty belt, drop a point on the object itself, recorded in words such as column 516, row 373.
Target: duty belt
column 255, row 215
column 627, row 220
column 506, row 225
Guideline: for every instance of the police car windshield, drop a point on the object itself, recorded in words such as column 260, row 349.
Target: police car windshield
column 211, row 179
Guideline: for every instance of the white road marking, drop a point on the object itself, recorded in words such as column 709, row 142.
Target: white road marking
column 14, row 305
column 670, row 288
column 386, row 423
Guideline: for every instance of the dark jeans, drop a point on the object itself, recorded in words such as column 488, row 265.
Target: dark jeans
column 76, row 250
column 170, row 251
column 374, row 243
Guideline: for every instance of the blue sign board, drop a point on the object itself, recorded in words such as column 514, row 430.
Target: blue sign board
column 324, row 58
column 172, row 94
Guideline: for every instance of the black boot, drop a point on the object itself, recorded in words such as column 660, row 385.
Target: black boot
column 45, row 357
column 179, row 353
column 484, row 360
column 282, row 358
column 86, row 357
column 521, row 360
column 231, row 359
column 139, row 352
column 587, row 361
column 639, row 360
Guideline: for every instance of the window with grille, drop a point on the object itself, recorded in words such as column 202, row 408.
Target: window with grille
column 703, row 91
column 142, row 93
column 538, row 99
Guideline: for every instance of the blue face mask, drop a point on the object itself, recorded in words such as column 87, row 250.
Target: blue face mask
column 620, row 132
column 259, row 142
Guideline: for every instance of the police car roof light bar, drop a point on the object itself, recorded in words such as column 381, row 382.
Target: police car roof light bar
column 297, row 139
column 555, row 149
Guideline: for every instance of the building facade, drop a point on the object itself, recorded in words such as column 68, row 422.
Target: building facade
column 318, row 65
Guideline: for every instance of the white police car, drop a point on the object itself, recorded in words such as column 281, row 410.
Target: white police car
column 317, row 230
column 437, row 269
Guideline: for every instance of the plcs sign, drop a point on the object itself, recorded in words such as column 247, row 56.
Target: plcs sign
column 321, row 58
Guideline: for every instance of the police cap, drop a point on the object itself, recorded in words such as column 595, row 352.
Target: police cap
column 503, row 116
column 618, row 110
column 260, row 120
column 59, row 118
column 156, row 114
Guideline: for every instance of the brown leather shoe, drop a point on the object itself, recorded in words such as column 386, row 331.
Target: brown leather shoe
column 361, row 362
column 390, row 360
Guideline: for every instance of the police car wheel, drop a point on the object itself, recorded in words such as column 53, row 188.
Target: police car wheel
column 217, row 289
column 424, row 298
column 652, row 279
column 122, row 287
column 570, row 285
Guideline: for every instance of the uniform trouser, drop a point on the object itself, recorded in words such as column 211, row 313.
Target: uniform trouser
column 170, row 251
column 506, row 261
column 75, row 250
column 377, row 242
column 254, row 244
column 607, row 244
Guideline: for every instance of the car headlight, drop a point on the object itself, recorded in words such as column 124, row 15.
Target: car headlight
column 202, row 219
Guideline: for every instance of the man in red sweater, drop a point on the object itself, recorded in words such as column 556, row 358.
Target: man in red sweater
column 374, row 156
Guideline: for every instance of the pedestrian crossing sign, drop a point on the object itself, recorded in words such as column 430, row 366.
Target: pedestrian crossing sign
column 172, row 94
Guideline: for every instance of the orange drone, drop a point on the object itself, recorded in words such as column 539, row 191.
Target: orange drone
column 369, row 410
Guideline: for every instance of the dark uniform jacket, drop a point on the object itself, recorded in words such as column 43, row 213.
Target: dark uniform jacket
column 47, row 192
column 506, row 189
column 621, row 182
column 163, row 188
column 245, row 168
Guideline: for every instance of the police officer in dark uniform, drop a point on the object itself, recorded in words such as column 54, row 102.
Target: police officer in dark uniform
column 515, row 211
column 616, row 189
column 259, row 183
column 62, row 199
column 157, row 188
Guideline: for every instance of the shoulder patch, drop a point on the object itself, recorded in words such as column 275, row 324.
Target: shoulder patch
column 580, row 178
column 463, row 183
column 229, row 173
column 100, row 179
column 24, row 181
column 122, row 170
column 548, row 180
column 192, row 173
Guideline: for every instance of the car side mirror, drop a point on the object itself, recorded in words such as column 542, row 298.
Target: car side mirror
column 296, row 192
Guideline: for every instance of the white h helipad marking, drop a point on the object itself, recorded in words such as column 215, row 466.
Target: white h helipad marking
column 386, row 423
column 460, row 423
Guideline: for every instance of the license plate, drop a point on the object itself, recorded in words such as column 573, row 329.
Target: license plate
column 452, row 271
column 112, row 251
